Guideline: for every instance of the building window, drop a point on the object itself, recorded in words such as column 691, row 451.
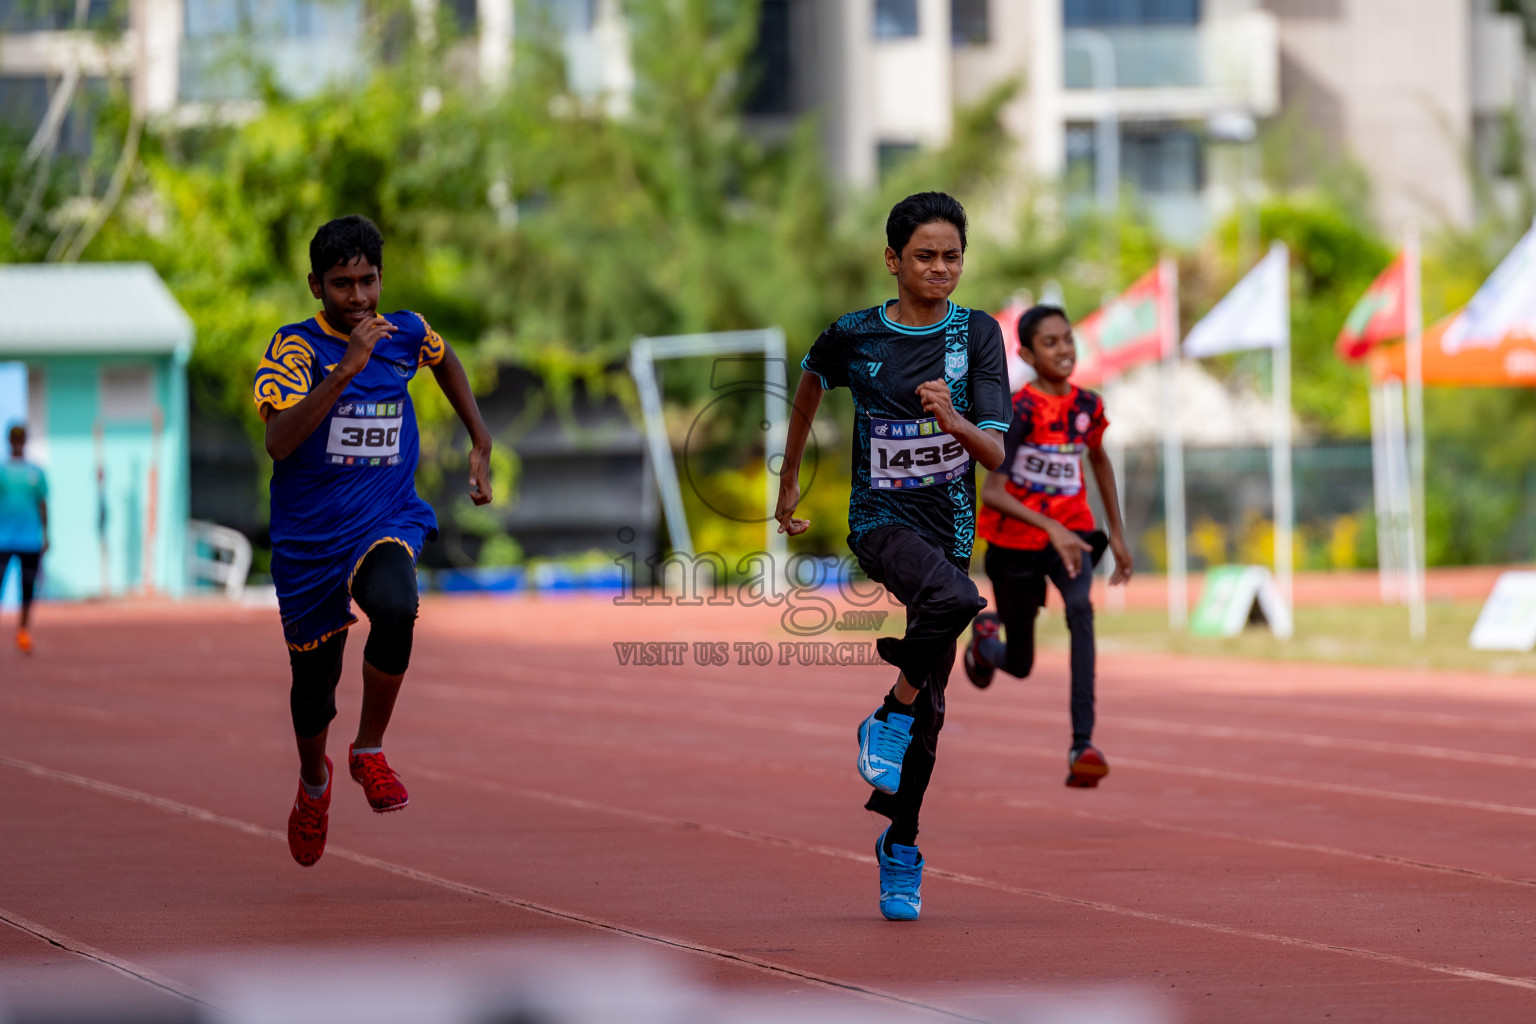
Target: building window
column 1098, row 13
column 1155, row 159
column 53, row 15
column 24, row 102
column 895, row 19
column 769, row 65
column 569, row 16
column 968, row 22
column 1161, row 159
column 889, row 156
column 464, row 15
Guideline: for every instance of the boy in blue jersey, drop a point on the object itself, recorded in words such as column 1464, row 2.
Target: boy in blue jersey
column 347, row 524
column 23, row 526
column 930, row 391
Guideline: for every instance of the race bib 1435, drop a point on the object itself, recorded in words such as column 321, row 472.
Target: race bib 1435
column 913, row 453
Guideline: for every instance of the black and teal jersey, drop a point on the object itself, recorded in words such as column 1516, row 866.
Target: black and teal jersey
column 905, row 471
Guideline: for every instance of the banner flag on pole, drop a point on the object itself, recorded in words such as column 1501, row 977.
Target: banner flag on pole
column 1252, row 315
column 1126, row 332
column 1378, row 317
column 1505, row 305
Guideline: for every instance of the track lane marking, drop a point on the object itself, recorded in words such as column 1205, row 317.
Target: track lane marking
column 127, row 968
column 980, row 795
column 454, row 692
column 403, row 871
column 1130, row 722
column 977, row 881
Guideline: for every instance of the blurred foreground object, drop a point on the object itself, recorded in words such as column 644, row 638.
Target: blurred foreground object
column 542, row 984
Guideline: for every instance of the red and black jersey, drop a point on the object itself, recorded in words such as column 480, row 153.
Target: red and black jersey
column 1043, row 457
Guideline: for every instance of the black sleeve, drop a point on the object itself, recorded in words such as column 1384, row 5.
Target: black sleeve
column 990, row 407
column 828, row 359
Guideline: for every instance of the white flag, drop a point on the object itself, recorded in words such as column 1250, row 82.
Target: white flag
column 1505, row 304
column 1252, row 315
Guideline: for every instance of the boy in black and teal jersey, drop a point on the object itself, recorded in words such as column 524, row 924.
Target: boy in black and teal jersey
column 930, row 389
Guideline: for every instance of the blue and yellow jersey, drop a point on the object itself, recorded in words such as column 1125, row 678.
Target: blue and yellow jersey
column 357, row 471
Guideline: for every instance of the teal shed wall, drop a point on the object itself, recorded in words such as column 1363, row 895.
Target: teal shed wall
column 145, row 480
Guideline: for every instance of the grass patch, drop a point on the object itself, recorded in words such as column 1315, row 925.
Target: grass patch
column 1348, row 634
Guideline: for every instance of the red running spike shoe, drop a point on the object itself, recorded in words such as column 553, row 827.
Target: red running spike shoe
column 308, row 822
column 979, row 672
column 1085, row 767
column 379, row 781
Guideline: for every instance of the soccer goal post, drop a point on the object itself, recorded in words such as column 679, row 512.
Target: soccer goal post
column 646, row 352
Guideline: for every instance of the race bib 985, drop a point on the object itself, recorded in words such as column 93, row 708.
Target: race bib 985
column 365, row 440
column 913, row 453
column 1048, row 468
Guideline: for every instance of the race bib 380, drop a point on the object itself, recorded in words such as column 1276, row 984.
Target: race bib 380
column 913, row 453
column 369, row 439
column 1048, row 468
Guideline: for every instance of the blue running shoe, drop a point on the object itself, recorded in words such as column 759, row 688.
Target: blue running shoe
column 901, row 880
column 882, row 745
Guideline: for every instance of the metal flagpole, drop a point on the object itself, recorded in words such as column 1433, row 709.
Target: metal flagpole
column 1414, row 317
column 1285, row 504
column 1173, row 450
column 1381, row 497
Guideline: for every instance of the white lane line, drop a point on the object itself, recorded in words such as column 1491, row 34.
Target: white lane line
column 987, row 883
column 1129, row 722
column 651, row 750
column 127, row 968
column 209, row 817
column 971, row 744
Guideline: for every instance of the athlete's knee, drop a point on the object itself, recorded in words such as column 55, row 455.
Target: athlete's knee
column 312, row 697
column 1019, row 663
column 389, row 644
column 391, row 629
column 954, row 606
column 1079, row 610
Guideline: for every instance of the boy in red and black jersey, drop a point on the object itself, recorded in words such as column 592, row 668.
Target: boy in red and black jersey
column 1038, row 525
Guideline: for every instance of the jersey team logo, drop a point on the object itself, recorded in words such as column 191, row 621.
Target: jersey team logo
column 955, row 364
column 1082, row 423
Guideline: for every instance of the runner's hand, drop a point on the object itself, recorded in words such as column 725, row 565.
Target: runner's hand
column 360, row 344
column 935, row 398
column 789, row 499
column 480, row 473
column 1070, row 547
column 1124, row 563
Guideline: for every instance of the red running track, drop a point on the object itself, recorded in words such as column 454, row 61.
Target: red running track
column 1275, row 843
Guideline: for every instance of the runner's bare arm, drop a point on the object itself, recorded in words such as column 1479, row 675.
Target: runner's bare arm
column 807, row 400
column 994, row 495
column 455, row 384
column 288, row 428
column 985, row 446
column 1104, row 473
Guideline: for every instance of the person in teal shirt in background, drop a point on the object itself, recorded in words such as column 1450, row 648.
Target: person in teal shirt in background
column 23, row 526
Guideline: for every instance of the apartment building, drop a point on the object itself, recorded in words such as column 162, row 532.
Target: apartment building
column 1156, row 99
column 1162, row 98
column 181, row 56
